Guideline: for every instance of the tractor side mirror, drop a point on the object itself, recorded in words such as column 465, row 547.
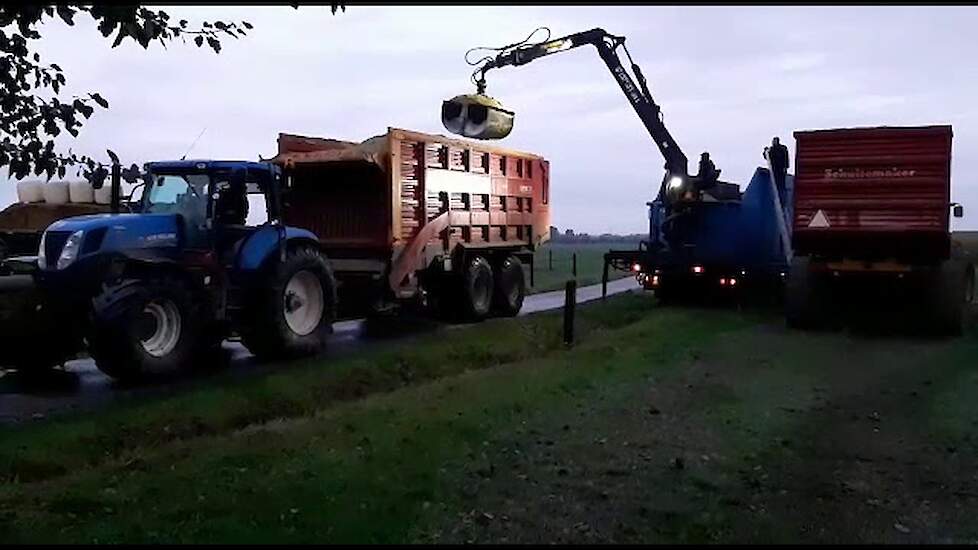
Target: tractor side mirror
column 957, row 210
column 476, row 116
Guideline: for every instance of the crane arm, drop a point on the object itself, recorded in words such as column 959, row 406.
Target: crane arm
column 638, row 95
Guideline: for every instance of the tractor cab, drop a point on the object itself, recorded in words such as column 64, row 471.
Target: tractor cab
column 219, row 204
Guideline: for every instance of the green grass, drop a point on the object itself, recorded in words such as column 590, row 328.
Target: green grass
column 590, row 261
column 290, row 458
column 380, row 447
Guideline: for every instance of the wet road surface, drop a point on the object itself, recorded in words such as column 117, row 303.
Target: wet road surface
column 81, row 386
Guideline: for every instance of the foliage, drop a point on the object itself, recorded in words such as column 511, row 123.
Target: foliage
column 32, row 111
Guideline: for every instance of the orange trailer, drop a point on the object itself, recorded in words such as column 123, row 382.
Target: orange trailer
column 413, row 216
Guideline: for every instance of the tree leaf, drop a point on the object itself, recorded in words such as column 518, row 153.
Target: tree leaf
column 66, row 14
column 119, row 37
column 214, row 43
column 100, row 100
column 199, row 40
column 246, row 25
column 113, row 156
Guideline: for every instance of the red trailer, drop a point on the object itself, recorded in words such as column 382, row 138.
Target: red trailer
column 409, row 216
column 873, row 204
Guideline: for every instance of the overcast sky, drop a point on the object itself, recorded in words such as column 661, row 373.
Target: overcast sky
column 727, row 78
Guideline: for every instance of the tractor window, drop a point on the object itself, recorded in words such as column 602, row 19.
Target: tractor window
column 178, row 194
column 257, row 206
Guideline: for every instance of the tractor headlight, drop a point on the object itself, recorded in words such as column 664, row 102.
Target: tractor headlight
column 70, row 251
column 675, row 183
column 42, row 263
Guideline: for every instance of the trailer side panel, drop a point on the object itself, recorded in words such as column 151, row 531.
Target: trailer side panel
column 873, row 193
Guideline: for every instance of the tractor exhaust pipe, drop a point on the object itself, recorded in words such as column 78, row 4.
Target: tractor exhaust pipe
column 116, row 187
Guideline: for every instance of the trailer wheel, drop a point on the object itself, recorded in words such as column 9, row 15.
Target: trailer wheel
column 293, row 310
column 510, row 287
column 150, row 330
column 477, row 289
column 952, row 291
column 806, row 303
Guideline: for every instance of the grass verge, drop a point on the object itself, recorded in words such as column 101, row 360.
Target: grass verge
column 297, row 456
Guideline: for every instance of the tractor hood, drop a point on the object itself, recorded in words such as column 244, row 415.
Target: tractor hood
column 134, row 227
column 101, row 233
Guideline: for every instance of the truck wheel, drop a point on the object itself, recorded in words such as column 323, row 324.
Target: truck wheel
column 293, row 311
column 672, row 290
column 953, row 289
column 150, row 330
column 510, row 287
column 477, row 289
column 805, row 300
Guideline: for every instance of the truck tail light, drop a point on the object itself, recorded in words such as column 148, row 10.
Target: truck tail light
column 697, row 269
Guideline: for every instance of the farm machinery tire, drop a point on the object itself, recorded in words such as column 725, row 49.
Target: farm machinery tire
column 292, row 311
column 145, row 329
column 806, row 300
column 477, row 289
column 952, row 292
column 510, row 287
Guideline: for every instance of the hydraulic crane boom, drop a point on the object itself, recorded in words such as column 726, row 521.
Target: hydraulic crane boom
column 638, row 95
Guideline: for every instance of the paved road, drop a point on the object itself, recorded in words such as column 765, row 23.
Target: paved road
column 82, row 386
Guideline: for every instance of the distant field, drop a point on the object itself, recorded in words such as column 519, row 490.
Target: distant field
column 590, row 261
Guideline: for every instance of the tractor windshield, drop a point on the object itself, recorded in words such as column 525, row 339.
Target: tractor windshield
column 184, row 194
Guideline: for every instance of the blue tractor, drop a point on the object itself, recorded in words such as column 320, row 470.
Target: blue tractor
column 157, row 289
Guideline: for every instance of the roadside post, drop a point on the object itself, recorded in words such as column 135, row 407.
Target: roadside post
column 570, row 301
column 574, row 265
column 550, row 258
column 604, row 279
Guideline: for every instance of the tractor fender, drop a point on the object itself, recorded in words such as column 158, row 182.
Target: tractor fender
column 264, row 244
column 109, row 304
column 122, row 276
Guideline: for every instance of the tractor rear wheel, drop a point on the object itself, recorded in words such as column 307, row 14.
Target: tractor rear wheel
column 147, row 329
column 510, row 286
column 293, row 310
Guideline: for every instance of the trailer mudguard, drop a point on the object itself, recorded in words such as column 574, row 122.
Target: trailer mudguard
column 264, row 242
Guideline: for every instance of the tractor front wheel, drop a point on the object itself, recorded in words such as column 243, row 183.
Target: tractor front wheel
column 145, row 330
